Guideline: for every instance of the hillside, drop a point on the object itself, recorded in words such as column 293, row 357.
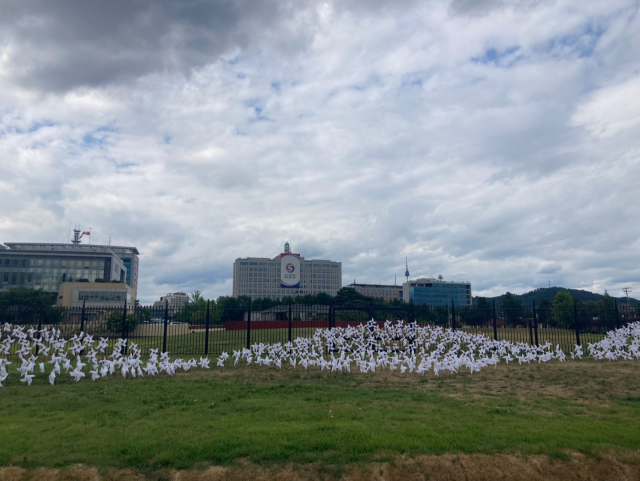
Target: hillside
column 549, row 292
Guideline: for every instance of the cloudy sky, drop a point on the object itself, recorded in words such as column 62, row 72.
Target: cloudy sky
column 494, row 141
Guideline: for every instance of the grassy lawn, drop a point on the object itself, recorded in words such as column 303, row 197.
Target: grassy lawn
column 264, row 415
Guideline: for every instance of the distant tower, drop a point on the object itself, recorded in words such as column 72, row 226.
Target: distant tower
column 287, row 250
column 440, row 277
column 76, row 236
column 627, row 290
column 406, row 272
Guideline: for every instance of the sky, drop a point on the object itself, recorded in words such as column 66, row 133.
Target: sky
column 490, row 141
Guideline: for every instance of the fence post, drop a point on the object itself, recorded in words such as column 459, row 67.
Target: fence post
column 535, row 322
column 453, row 315
column 575, row 320
column 617, row 316
column 249, row 326
column 530, row 324
column 82, row 317
column 495, row 322
column 333, row 316
column 291, row 319
column 124, row 324
column 39, row 329
column 166, row 323
column 206, row 332
column 412, row 316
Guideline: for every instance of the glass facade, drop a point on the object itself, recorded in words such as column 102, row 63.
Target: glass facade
column 48, row 272
column 440, row 294
column 127, row 263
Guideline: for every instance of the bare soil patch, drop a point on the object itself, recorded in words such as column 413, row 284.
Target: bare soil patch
column 571, row 466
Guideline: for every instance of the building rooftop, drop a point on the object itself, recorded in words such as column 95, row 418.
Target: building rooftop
column 436, row 281
column 39, row 246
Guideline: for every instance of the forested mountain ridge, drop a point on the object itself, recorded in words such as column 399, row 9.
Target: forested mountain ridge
column 538, row 295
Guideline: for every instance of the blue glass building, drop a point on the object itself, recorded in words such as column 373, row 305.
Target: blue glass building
column 433, row 292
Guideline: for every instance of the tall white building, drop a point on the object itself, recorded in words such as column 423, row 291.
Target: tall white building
column 263, row 277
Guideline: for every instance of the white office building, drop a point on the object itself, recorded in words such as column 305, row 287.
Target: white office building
column 175, row 301
column 285, row 275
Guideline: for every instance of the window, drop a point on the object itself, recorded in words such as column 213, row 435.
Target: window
column 15, row 262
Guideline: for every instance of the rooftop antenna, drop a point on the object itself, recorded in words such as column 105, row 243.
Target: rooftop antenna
column 287, row 249
column 76, row 236
column 440, row 278
column 627, row 290
column 109, row 240
column 395, row 279
column 406, row 272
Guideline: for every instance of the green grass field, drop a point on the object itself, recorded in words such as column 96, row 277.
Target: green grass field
column 264, row 415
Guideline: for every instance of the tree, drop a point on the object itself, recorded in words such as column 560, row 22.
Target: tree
column 512, row 309
column 607, row 309
column 544, row 311
column 563, row 309
column 480, row 313
column 25, row 305
column 114, row 322
column 194, row 311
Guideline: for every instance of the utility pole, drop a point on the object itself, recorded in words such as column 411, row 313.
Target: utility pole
column 627, row 290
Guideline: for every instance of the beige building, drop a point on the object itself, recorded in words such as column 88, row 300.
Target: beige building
column 379, row 291
column 95, row 294
column 259, row 277
column 175, row 301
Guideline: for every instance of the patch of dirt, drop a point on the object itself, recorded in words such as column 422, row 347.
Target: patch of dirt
column 570, row 466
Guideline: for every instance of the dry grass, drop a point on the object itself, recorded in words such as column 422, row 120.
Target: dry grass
column 572, row 466
column 586, row 380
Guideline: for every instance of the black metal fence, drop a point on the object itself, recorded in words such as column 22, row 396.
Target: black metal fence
column 215, row 329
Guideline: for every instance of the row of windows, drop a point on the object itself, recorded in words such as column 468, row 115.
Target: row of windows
column 442, row 286
column 314, row 276
column 23, row 263
column 94, row 296
column 288, row 291
column 277, row 284
column 49, row 277
column 267, row 281
column 276, row 271
column 274, row 264
column 380, row 293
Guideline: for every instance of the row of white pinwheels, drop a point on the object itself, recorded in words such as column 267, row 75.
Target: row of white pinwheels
column 367, row 348
column 44, row 350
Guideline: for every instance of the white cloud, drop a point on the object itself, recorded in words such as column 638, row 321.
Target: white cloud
column 611, row 110
column 470, row 141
